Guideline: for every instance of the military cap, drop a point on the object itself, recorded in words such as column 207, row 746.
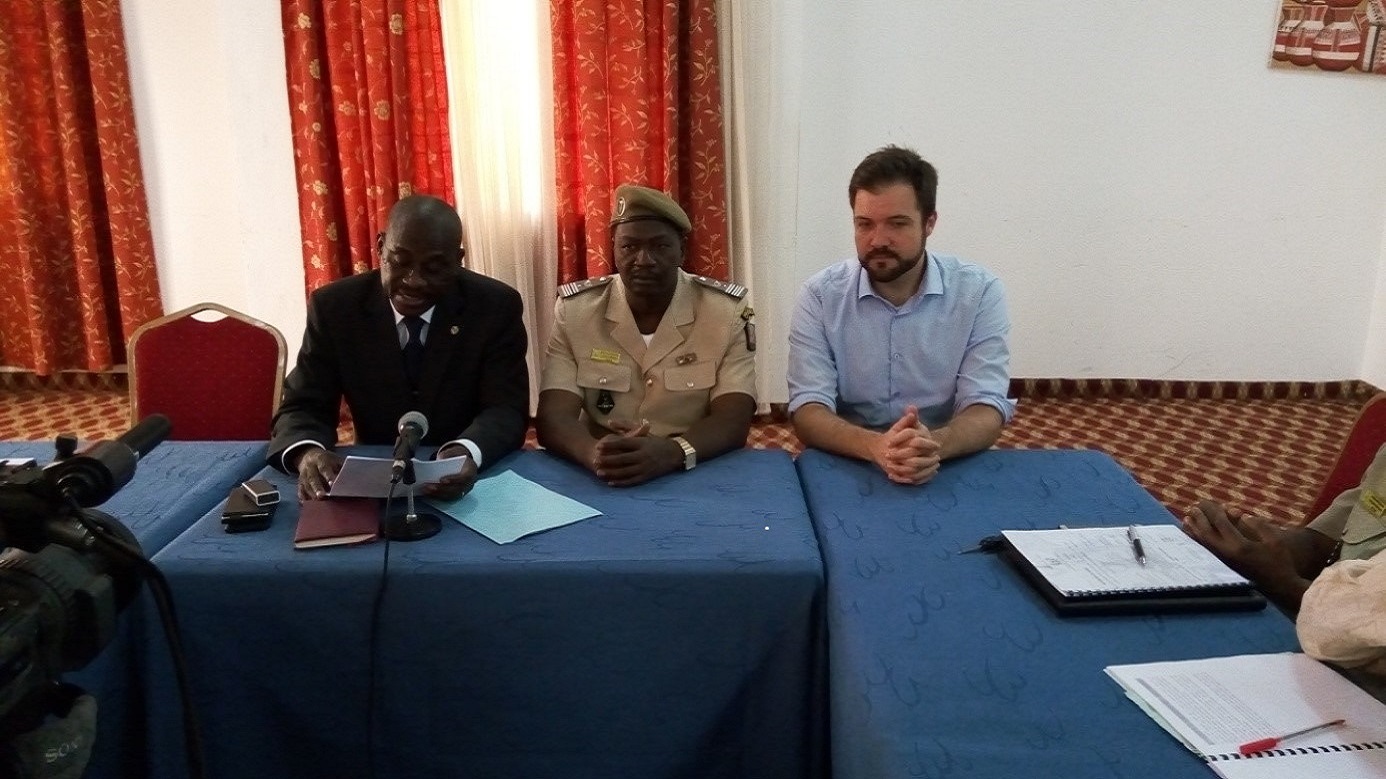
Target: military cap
column 634, row 203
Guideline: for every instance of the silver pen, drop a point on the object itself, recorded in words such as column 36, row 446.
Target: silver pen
column 1135, row 544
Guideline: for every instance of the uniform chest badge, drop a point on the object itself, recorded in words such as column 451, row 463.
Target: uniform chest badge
column 605, row 403
column 1374, row 504
column 605, row 355
column 686, row 359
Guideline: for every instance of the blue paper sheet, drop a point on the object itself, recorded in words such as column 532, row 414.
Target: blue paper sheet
column 508, row 506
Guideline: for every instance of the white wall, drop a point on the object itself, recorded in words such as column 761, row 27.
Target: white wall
column 1159, row 202
column 1374, row 359
column 212, row 113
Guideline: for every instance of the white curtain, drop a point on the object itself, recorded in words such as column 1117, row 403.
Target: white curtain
column 500, row 106
column 500, row 81
column 760, row 55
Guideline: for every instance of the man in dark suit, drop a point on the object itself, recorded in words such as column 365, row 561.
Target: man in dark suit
column 422, row 333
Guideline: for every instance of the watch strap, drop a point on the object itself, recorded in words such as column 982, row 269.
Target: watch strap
column 690, row 455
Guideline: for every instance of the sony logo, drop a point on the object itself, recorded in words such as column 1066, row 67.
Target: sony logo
column 63, row 750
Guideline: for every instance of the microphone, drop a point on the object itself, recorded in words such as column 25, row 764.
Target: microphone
column 413, row 426
column 149, row 433
column 93, row 476
column 410, row 525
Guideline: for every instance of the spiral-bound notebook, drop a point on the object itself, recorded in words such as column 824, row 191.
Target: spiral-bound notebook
column 1094, row 570
column 1214, row 706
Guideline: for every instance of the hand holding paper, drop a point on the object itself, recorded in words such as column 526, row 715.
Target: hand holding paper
column 456, row 484
column 316, row 467
column 369, row 477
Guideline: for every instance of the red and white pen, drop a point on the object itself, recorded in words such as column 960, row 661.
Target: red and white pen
column 1260, row 745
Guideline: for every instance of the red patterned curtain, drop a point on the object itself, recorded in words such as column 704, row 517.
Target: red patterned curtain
column 369, row 107
column 637, row 98
column 75, row 246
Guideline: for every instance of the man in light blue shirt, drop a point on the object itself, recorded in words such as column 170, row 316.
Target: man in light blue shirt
column 900, row 356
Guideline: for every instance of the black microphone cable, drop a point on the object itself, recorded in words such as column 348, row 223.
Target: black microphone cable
column 373, row 635
column 168, row 618
column 91, row 479
column 412, row 427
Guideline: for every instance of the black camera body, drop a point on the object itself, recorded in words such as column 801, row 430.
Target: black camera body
column 66, row 570
column 59, row 599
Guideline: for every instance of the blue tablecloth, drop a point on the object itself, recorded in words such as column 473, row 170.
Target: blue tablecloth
column 676, row 635
column 949, row 665
column 174, row 485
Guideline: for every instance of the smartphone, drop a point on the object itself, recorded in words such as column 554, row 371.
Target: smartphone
column 247, row 524
column 241, row 514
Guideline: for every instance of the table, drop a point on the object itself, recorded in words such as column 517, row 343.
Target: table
column 946, row 664
column 676, row 635
column 176, row 483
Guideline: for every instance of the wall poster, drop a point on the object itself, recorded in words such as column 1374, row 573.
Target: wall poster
column 1333, row 35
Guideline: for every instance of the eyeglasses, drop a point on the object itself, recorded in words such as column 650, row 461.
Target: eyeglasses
column 433, row 266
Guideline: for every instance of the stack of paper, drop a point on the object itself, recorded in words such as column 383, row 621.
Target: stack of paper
column 1216, row 706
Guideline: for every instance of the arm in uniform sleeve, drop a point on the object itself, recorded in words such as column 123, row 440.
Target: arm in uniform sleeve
column 733, row 398
column 558, row 422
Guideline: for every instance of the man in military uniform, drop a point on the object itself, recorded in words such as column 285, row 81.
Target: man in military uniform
column 649, row 370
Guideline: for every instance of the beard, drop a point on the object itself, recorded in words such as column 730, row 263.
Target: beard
column 885, row 265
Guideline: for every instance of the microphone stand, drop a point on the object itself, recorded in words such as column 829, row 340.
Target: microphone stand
column 411, row 525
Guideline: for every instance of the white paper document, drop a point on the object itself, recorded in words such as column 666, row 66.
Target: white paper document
column 1101, row 560
column 508, row 506
column 1214, row 706
column 369, row 477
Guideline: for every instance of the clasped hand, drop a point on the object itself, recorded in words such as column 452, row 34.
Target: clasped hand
column 632, row 456
column 1250, row 545
column 908, row 453
column 318, row 467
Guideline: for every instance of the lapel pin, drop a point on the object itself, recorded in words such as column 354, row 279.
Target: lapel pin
column 453, row 330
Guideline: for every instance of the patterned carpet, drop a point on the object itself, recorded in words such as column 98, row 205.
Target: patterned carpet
column 1264, row 451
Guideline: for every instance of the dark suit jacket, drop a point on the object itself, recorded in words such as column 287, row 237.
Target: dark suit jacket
column 474, row 383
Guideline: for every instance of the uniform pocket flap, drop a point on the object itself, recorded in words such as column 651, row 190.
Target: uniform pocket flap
column 1363, row 527
column 603, row 376
column 690, row 378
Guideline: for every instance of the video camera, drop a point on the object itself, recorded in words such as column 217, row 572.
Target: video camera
column 66, row 571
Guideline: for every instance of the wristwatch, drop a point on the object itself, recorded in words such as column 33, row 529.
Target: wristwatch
column 690, row 455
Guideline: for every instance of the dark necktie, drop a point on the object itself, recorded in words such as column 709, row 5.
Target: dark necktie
column 413, row 349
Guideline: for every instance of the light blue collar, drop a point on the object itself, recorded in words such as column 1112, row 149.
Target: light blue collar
column 933, row 281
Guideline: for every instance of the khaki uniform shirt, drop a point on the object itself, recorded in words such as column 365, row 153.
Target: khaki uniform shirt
column 703, row 348
column 1358, row 516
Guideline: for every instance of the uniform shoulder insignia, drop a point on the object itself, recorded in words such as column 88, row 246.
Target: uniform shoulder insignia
column 735, row 290
column 574, row 287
